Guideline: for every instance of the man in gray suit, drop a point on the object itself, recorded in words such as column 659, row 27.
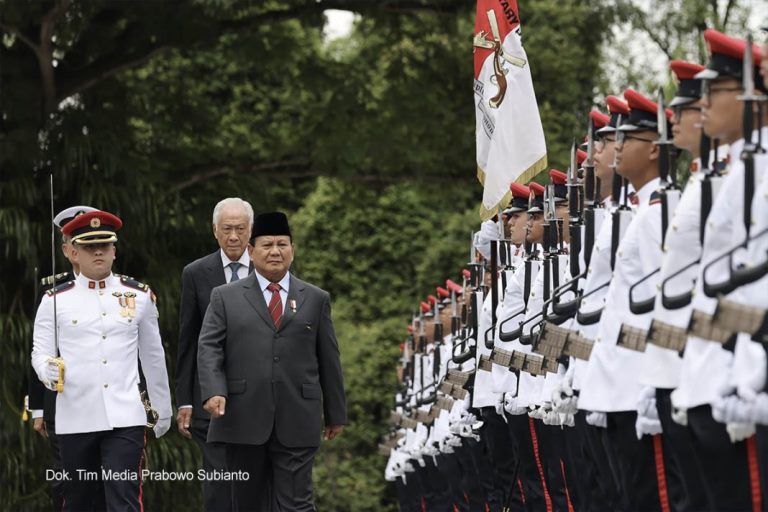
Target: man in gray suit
column 270, row 373
column 232, row 224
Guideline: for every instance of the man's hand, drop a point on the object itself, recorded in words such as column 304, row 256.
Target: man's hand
column 332, row 431
column 39, row 425
column 183, row 418
column 215, row 406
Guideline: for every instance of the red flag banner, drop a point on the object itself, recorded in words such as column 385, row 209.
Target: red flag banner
column 510, row 138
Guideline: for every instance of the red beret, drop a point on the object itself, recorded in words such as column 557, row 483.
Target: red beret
column 730, row 46
column 557, row 177
column 456, row 288
column 685, row 70
column 432, row 299
column 536, row 188
column 598, row 118
column 519, row 190
column 580, row 156
column 425, row 308
column 466, row 273
column 443, row 292
column 617, row 105
column 93, row 228
column 637, row 101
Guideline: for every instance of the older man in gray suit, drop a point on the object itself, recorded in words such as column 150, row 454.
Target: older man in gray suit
column 270, row 371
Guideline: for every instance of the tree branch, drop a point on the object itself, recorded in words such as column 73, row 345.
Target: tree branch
column 45, row 56
column 108, row 65
column 727, row 15
column 217, row 169
column 103, row 69
column 640, row 18
column 715, row 14
column 24, row 39
column 294, row 169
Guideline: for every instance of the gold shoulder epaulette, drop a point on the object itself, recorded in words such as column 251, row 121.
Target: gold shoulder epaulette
column 61, row 288
column 132, row 283
column 50, row 280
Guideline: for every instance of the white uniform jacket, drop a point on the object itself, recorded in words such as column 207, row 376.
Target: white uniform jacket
column 104, row 328
column 611, row 381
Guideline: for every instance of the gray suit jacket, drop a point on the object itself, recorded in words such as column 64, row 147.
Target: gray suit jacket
column 198, row 279
column 272, row 378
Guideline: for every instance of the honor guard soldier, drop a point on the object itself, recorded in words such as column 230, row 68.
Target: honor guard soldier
column 611, row 380
column 88, row 335
column 707, row 359
column 42, row 401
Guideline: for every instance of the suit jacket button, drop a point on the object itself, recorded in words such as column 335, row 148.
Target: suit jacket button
column 277, row 335
column 276, row 359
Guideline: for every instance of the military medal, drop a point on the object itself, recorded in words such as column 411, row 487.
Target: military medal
column 130, row 298
column 123, row 303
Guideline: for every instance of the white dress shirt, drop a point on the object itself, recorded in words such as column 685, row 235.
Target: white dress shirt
column 242, row 272
column 284, row 284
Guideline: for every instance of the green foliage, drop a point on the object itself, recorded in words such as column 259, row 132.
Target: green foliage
column 368, row 141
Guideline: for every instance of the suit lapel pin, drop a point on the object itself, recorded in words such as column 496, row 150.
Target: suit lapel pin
column 292, row 305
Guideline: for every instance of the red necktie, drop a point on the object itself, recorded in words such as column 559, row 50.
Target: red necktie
column 275, row 304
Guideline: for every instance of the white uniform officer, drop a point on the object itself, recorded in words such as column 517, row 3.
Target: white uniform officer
column 94, row 328
column 611, row 381
column 706, row 362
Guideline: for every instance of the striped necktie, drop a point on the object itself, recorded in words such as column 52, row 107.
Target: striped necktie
column 275, row 304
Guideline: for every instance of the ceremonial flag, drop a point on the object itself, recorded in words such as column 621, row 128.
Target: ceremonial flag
column 510, row 139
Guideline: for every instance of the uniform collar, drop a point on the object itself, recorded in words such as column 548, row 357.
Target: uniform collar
column 264, row 282
column 95, row 285
column 244, row 259
column 644, row 194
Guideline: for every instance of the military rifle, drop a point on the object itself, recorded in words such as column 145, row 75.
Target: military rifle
column 750, row 98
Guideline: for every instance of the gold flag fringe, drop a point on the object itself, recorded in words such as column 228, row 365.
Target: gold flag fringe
column 524, row 177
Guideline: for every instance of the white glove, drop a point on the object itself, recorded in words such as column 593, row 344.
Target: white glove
column 680, row 416
column 740, row 431
column 567, row 419
column 597, row 419
column 732, row 409
column 489, row 230
column 466, row 431
column 551, row 418
column 51, row 375
column 454, row 441
column 647, row 415
column 510, row 405
column 645, row 425
column 161, row 427
column 563, row 400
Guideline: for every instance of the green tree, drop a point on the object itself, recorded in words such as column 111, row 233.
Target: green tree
column 157, row 121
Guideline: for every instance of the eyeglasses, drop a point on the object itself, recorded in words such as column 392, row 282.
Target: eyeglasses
column 627, row 137
column 601, row 142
